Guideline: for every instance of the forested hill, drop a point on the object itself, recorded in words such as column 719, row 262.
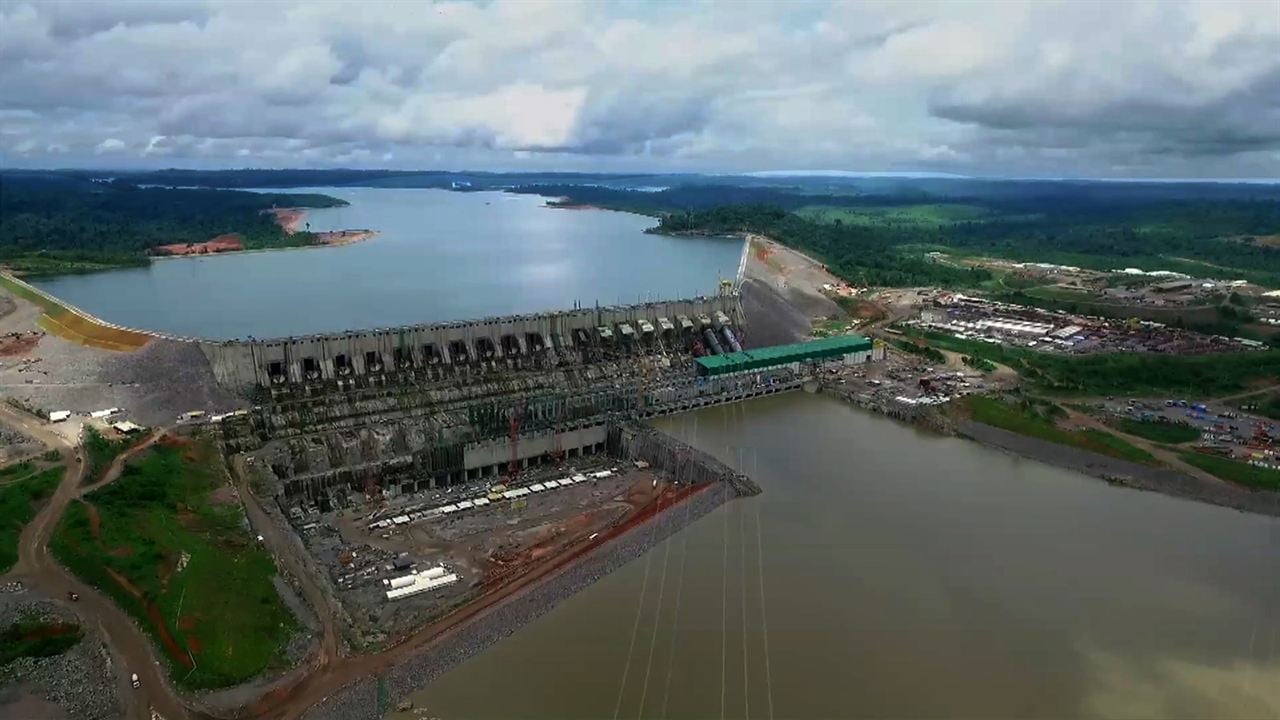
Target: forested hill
column 861, row 254
column 52, row 223
column 1205, row 229
column 887, row 245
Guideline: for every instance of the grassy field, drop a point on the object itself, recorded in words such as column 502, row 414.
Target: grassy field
column 977, row 363
column 36, row 638
column 1235, row 471
column 1268, row 406
column 924, row 351
column 101, row 452
column 167, row 542
column 1037, row 420
column 1125, row 373
column 931, row 215
column 61, row 321
column 19, row 499
column 1169, row 433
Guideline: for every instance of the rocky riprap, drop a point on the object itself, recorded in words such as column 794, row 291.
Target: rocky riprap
column 81, row 681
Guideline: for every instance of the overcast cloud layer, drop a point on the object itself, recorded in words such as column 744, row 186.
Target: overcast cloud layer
column 1105, row 89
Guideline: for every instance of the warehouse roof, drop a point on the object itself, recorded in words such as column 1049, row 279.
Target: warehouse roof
column 784, row 354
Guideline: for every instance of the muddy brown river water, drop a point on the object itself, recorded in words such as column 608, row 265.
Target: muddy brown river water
column 887, row 572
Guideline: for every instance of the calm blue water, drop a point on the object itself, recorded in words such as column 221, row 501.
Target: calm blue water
column 439, row 255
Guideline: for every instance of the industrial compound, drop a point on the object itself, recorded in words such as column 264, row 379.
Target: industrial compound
column 426, row 466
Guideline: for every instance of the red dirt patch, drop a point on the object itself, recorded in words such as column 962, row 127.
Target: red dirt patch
column 123, row 582
column 289, row 219
column 95, row 521
column 170, row 645
column 16, row 344
column 51, row 630
column 229, row 242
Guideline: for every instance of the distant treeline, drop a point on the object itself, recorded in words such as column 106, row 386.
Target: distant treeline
column 52, row 223
column 874, row 230
column 863, row 255
column 1205, row 238
column 685, row 193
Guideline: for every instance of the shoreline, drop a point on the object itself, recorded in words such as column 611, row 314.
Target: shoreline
column 780, row 315
column 362, row 235
column 574, row 573
column 1123, row 473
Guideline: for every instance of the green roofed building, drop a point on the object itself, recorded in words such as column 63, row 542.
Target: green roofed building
column 851, row 349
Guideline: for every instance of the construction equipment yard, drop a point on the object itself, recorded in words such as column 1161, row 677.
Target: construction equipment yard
column 486, row 546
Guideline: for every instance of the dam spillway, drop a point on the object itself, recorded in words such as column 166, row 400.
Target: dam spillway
column 418, row 353
column 426, row 406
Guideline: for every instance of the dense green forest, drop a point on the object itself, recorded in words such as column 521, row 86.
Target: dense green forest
column 60, row 223
column 885, row 244
column 861, row 254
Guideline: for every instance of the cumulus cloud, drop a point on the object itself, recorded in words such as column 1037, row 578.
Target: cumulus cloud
column 1043, row 88
column 109, row 145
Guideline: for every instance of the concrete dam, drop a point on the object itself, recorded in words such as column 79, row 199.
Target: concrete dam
column 437, row 351
column 415, row 408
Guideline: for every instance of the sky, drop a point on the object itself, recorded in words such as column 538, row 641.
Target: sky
column 1160, row 89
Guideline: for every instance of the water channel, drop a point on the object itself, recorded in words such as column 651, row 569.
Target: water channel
column 893, row 573
column 438, row 255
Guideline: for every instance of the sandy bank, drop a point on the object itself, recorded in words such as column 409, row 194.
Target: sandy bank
column 290, row 219
column 335, row 238
column 229, row 242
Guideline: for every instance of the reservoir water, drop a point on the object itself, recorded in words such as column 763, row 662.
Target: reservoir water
column 438, row 255
column 886, row 572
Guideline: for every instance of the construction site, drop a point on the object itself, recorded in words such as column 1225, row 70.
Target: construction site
column 426, row 490
column 425, row 467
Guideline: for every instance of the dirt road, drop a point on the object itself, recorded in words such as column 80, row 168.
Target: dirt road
column 36, row 568
column 117, row 465
column 1167, row 458
column 290, row 696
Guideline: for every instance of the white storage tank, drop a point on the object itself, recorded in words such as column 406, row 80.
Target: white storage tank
column 432, row 573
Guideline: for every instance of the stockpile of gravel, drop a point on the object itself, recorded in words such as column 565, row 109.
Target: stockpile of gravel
column 81, row 681
column 167, row 378
column 771, row 319
column 360, row 700
column 153, row 385
column 10, row 438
